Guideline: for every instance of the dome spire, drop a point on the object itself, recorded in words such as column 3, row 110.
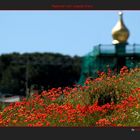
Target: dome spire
column 120, row 33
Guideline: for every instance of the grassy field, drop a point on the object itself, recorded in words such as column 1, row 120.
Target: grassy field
column 108, row 101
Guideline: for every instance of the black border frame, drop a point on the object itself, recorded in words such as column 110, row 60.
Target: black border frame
column 69, row 5
column 116, row 133
column 126, row 133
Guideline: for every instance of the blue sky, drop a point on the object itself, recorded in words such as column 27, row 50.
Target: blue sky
column 66, row 32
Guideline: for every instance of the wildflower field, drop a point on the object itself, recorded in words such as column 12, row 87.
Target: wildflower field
column 110, row 100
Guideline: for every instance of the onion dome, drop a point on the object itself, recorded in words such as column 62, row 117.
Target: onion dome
column 120, row 33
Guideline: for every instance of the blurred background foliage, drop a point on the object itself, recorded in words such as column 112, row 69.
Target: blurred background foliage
column 39, row 71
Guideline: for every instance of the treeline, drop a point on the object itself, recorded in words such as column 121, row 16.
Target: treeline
column 37, row 71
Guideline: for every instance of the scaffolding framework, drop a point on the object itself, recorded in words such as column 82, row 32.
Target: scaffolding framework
column 113, row 56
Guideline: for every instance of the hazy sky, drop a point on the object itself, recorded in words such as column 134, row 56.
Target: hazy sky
column 66, row 32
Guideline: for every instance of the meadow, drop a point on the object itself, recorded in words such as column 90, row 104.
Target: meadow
column 111, row 100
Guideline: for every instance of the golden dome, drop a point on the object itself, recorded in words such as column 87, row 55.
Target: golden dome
column 120, row 33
